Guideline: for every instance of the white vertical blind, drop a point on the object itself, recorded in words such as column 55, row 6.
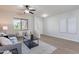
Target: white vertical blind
column 63, row 25
column 72, row 25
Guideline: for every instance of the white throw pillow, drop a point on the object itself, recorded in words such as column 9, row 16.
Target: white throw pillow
column 5, row 41
column 37, row 34
column 13, row 40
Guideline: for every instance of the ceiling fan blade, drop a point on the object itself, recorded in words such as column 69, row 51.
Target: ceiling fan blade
column 31, row 12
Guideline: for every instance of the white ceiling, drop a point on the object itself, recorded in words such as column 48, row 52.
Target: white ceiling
column 40, row 9
column 54, row 9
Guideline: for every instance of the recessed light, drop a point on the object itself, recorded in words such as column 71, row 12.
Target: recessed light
column 44, row 15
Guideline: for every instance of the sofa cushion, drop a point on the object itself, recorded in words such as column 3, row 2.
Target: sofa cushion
column 5, row 41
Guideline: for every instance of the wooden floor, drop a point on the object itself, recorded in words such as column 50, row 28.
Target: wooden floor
column 63, row 46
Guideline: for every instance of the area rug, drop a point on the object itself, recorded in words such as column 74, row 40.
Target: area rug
column 43, row 48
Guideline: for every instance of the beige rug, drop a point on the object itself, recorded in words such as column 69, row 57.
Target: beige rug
column 43, row 48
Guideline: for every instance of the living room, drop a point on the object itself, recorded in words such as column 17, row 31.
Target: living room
column 39, row 29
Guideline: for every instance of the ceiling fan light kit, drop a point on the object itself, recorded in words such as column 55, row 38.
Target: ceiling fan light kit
column 26, row 11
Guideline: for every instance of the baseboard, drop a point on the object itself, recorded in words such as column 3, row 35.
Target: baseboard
column 61, row 37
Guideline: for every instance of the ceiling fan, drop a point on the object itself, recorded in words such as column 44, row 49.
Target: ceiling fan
column 29, row 9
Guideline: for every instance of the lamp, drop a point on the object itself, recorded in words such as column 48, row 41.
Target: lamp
column 5, row 28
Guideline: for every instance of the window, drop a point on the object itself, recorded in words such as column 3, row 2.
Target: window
column 20, row 24
column 17, row 24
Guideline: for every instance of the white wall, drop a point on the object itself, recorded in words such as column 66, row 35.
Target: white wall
column 51, row 26
column 38, row 25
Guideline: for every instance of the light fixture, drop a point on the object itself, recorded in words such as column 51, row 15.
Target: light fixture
column 5, row 28
column 26, row 11
column 44, row 15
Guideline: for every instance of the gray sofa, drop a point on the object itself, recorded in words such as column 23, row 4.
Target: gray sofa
column 10, row 47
